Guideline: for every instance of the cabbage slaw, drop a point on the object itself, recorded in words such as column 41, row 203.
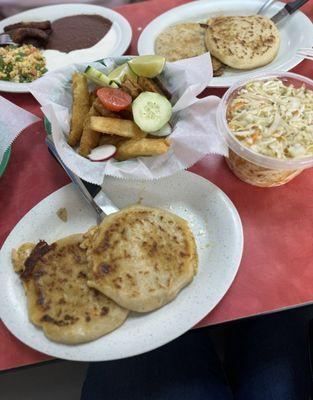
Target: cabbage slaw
column 273, row 119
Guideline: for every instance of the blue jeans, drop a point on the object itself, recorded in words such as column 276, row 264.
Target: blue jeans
column 265, row 358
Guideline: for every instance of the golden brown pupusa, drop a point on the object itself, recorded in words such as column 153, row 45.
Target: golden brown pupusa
column 58, row 297
column 242, row 42
column 141, row 257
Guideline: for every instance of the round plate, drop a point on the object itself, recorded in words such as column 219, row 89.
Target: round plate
column 296, row 31
column 218, row 232
column 5, row 160
column 120, row 34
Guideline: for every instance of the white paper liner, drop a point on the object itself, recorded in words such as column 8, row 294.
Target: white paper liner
column 194, row 133
column 13, row 120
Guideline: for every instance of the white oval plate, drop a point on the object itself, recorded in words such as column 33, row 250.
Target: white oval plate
column 214, row 222
column 296, row 31
column 120, row 35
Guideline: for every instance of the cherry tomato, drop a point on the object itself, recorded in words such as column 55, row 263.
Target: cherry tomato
column 114, row 99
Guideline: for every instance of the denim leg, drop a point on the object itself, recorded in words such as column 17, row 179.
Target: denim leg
column 268, row 357
column 185, row 369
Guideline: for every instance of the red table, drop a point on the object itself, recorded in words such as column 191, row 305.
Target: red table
column 277, row 265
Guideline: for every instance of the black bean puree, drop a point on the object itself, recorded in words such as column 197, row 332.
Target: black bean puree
column 77, row 32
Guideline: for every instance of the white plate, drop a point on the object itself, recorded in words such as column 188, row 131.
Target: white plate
column 296, row 31
column 218, row 231
column 114, row 43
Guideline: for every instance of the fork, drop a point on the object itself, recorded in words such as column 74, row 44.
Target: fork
column 306, row 53
column 5, row 39
column 289, row 8
column 266, row 5
column 101, row 203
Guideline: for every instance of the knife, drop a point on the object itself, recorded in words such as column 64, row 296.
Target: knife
column 289, row 9
column 93, row 194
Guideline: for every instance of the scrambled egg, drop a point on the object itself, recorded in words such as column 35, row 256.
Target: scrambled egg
column 21, row 64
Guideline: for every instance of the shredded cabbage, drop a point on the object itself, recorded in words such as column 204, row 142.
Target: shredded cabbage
column 273, row 119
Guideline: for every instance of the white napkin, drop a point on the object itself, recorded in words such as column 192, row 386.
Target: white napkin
column 13, row 120
column 194, row 134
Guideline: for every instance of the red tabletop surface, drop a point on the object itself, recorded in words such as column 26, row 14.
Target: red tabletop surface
column 277, row 265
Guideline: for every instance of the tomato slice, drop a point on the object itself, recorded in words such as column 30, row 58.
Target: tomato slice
column 114, row 99
column 95, row 90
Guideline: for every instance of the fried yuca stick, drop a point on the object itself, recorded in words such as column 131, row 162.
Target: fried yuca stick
column 116, row 126
column 111, row 139
column 141, row 147
column 80, row 108
column 90, row 138
column 92, row 98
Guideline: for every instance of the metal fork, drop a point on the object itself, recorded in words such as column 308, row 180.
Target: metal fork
column 306, row 53
column 5, row 39
column 266, row 5
column 289, row 8
column 101, row 203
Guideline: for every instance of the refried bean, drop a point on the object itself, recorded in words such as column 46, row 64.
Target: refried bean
column 77, row 32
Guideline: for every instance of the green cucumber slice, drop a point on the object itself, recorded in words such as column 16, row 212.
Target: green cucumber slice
column 114, row 84
column 96, row 76
column 151, row 111
column 117, row 75
column 164, row 131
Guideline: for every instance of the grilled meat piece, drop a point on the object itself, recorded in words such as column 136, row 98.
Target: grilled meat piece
column 218, row 72
column 103, row 111
column 20, row 34
column 131, row 87
column 44, row 25
column 152, row 85
column 125, row 114
column 164, row 91
column 34, row 42
column 147, row 85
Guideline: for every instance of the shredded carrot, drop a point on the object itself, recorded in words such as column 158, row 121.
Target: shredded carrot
column 237, row 105
column 256, row 135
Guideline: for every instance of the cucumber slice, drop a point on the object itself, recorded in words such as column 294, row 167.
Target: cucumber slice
column 164, row 131
column 151, row 111
column 118, row 74
column 96, row 76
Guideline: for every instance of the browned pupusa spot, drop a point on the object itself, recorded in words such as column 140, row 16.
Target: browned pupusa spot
column 59, row 299
column 181, row 41
column 242, row 42
column 184, row 41
column 141, row 257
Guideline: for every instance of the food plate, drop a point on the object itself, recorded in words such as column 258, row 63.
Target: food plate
column 296, row 31
column 218, row 231
column 5, row 160
column 114, row 43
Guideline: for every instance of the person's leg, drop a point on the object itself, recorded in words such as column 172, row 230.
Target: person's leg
column 268, row 357
column 185, row 369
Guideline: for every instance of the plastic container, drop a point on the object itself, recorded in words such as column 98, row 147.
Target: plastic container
column 252, row 167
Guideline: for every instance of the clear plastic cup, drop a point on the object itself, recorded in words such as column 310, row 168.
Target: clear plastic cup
column 252, row 167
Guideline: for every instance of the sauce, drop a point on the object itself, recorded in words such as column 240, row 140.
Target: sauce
column 77, row 32
column 56, row 59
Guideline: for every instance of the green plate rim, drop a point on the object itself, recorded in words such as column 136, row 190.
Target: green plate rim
column 5, row 160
